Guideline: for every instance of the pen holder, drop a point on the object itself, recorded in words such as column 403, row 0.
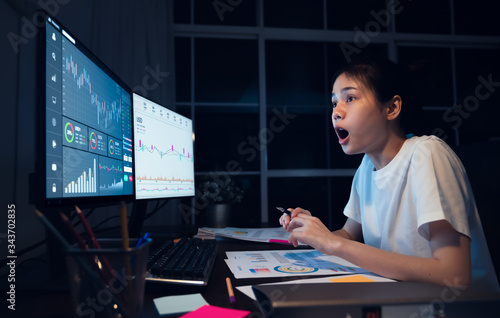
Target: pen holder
column 108, row 282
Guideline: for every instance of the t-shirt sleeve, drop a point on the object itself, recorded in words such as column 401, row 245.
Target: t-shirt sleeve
column 440, row 188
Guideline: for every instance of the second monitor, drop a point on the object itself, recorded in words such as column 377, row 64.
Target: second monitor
column 163, row 142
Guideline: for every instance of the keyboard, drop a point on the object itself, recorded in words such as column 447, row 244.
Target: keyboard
column 188, row 261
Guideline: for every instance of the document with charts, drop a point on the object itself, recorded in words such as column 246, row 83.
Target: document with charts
column 286, row 263
column 266, row 235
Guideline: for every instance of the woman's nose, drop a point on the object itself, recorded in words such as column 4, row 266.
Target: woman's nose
column 336, row 115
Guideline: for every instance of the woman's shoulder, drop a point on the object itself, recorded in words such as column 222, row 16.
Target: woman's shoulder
column 428, row 143
column 425, row 139
column 432, row 148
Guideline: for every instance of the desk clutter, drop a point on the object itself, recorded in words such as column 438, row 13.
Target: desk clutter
column 306, row 282
column 312, row 283
column 194, row 306
column 96, row 267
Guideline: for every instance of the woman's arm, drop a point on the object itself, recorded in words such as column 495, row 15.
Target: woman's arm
column 350, row 231
column 449, row 265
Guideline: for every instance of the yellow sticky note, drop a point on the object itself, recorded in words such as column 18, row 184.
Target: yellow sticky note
column 214, row 311
column 352, row 279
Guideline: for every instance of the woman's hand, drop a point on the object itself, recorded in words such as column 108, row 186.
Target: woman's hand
column 311, row 231
column 285, row 218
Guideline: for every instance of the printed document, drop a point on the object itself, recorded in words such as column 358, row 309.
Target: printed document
column 287, row 263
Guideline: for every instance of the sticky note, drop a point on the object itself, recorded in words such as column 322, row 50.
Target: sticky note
column 179, row 304
column 352, row 279
column 216, row 312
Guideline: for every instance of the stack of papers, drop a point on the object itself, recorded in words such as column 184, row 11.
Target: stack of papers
column 203, row 233
column 266, row 235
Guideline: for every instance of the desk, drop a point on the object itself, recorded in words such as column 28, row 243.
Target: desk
column 215, row 293
column 37, row 295
column 413, row 304
column 56, row 303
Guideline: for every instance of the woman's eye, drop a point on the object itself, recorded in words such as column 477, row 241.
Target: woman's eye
column 350, row 99
column 334, row 104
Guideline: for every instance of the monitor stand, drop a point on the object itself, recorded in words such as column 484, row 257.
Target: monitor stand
column 137, row 218
column 136, row 228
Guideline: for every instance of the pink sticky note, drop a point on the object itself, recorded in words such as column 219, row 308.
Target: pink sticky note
column 279, row 241
column 208, row 311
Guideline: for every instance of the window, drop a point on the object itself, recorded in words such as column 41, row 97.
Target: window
column 293, row 14
column 225, row 70
column 476, row 110
column 226, row 136
column 256, row 78
column 222, row 12
column 183, row 69
column 423, row 16
column 356, row 15
column 477, row 18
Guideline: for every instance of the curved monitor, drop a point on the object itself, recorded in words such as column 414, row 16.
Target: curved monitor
column 163, row 151
column 88, row 124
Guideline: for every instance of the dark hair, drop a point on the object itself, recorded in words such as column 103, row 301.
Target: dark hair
column 387, row 79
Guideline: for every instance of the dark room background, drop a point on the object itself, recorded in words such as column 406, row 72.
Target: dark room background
column 255, row 77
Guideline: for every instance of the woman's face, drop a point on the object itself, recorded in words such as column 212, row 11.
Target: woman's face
column 359, row 120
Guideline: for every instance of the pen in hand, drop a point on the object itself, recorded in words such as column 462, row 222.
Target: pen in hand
column 283, row 210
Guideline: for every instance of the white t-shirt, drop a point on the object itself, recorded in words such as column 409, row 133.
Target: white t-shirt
column 424, row 182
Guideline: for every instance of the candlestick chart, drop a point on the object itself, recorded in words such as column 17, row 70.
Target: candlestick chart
column 163, row 154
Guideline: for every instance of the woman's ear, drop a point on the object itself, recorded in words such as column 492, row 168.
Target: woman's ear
column 394, row 107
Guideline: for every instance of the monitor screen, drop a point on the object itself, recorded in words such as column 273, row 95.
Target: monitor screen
column 163, row 144
column 88, row 124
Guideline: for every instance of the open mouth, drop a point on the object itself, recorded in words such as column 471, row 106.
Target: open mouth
column 342, row 133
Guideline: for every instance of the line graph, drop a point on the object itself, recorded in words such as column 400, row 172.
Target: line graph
column 163, row 151
column 161, row 178
column 168, row 189
column 110, row 176
column 170, row 152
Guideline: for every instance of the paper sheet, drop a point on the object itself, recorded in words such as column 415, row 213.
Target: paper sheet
column 268, row 235
column 356, row 278
column 286, row 263
column 179, row 304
